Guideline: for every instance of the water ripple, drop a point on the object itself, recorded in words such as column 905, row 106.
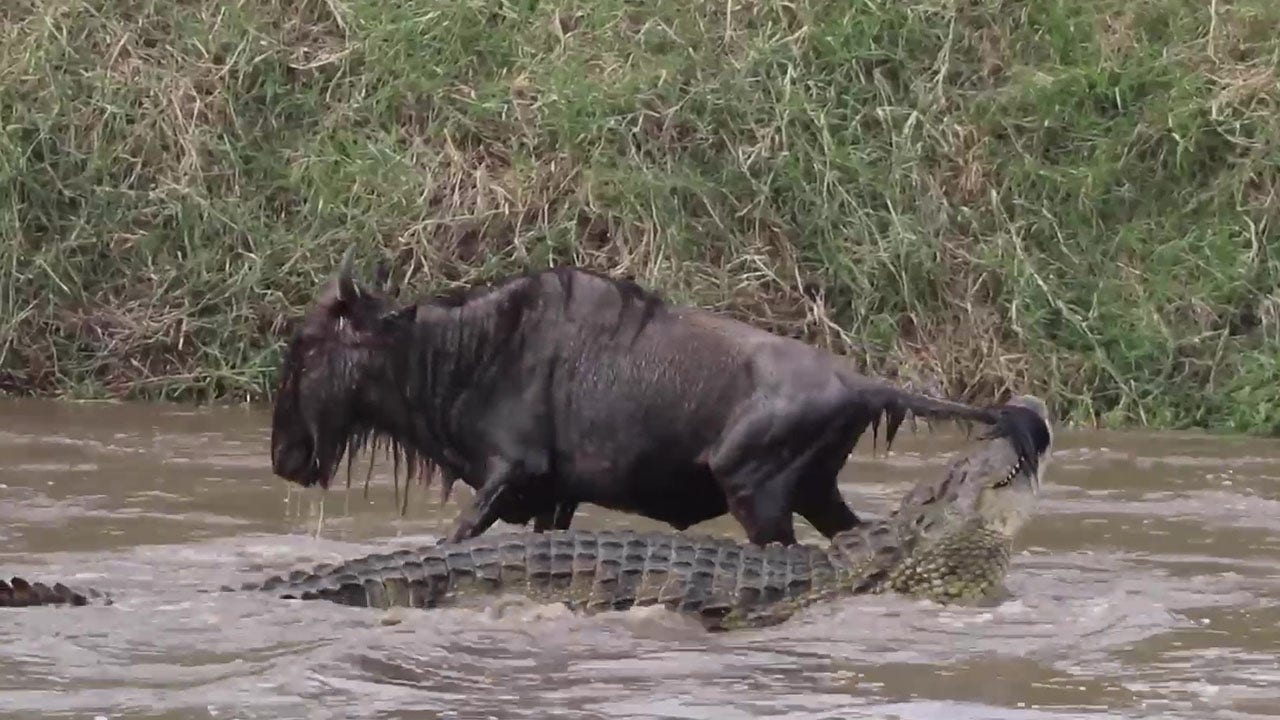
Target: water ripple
column 1146, row 588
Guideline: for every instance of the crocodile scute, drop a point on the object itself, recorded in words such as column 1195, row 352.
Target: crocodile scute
column 20, row 592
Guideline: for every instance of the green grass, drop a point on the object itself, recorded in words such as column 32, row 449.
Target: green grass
column 1076, row 199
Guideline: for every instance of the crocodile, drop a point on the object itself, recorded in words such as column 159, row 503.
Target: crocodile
column 949, row 540
column 20, row 592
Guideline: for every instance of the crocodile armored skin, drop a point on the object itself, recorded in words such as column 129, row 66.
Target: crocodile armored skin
column 18, row 592
column 712, row 578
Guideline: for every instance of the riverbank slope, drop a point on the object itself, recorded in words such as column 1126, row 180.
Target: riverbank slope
column 1076, row 199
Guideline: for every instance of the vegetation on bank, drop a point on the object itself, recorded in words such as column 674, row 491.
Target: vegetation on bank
column 1078, row 199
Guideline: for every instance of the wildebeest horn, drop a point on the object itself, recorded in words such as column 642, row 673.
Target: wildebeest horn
column 347, row 263
column 347, row 289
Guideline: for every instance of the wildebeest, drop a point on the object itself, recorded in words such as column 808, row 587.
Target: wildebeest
column 564, row 386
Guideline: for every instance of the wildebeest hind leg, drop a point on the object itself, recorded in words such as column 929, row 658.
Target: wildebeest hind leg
column 757, row 483
column 542, row 521
column 773, row 454
column 768, row 509
column 818, row 499
column 826, row 511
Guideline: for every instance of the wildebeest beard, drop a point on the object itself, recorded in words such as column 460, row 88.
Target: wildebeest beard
column 423, row 446
column 565, row 386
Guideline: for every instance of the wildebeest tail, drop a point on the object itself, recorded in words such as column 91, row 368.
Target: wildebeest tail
column 1026, row 430
column 880, row 399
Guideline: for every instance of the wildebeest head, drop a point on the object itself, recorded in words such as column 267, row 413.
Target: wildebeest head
column 334, row 372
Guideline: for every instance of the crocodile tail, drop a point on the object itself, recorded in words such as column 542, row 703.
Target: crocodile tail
column 559, row 564
column 19, row 592
column 421, row 577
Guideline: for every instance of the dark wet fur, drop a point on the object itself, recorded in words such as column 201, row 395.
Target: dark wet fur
column 564, row 386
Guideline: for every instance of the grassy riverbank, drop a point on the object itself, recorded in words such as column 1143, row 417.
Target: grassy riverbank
column 1073, row 198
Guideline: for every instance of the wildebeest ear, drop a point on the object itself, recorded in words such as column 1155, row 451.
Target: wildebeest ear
column 383, row 281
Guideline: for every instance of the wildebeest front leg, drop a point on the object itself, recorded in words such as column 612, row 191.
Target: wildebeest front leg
column 558, row 518
column 500, row 484
column 818, row 497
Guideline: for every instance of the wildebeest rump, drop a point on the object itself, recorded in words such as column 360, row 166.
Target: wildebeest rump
column 564, row 386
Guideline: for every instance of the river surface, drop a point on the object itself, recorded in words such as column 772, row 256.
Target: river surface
column 1148, row 586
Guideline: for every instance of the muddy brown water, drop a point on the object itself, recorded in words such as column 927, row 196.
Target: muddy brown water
column 1148, row 586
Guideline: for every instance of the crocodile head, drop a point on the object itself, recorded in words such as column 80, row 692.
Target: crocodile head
column 987, row 483
column 955, row 534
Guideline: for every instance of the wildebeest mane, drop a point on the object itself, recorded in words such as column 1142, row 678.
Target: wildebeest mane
column 521, row 293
